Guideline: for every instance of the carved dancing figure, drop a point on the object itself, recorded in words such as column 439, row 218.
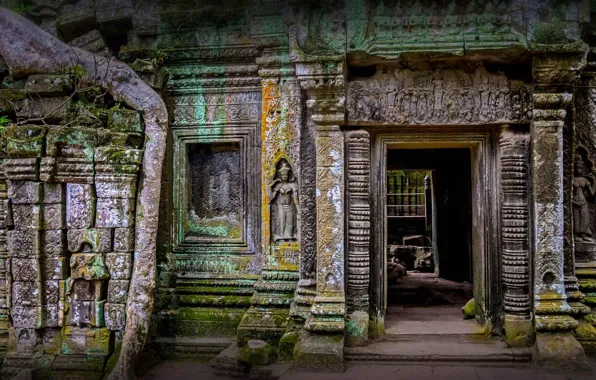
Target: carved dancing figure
column 284, row 194
column 583, row 188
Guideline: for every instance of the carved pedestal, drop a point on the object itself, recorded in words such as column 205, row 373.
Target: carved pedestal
column 555, row 343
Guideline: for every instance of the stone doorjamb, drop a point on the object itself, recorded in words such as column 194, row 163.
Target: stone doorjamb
column 485, row 214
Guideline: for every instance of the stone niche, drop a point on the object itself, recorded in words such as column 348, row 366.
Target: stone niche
column 216, row 190
column 215, row 206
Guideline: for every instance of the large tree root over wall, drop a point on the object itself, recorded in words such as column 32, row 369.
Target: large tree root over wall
column 27, row 50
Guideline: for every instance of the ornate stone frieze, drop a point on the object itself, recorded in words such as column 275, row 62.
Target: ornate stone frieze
column 394, row 96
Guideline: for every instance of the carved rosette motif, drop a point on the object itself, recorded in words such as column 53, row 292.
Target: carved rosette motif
column 358, row 195
column 515, row 224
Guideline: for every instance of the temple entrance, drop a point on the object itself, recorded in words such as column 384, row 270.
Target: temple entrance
column 429, row 239
column 435, row 218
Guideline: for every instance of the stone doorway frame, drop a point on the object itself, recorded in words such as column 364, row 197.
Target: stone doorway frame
column 486, row 255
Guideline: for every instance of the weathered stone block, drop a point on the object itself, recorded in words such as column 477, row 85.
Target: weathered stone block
column 123, row 120
column 80, row 205
column 25, row 244
column 52, row 315
column 86, row 341
column 53, row 216
column 88, row 266
column 26, row 293
column 115, row 212
column 118, row 291
column 80, row 141
column 24, row 140
column 116, row 187
column 47, row 169
column 74, row 17
column 51, row 110
column 124, row 240
column 25, row 269
column 119, row 265
column 86, row 313
column 54, row 268
column 115, row 316
column 21, row 192
column 26, row 217
column 53, row 242
column 26, row 317
column 93, row 42
column 51, row 340
column 22, row 169
column 54, row 193
column 90, row 240
column 26, row 337
column 83, row 290
column 53, row 291
column 49, row 85
column 5, row 214
column 11, row 100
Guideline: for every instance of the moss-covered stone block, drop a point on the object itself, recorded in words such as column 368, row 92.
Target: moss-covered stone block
column 49, row 85
column 24, row 140
column 356, row 332
column 86, row 341
column 124, row 120
column 518, row 332
column 558, row 351
column 590, row 318
column 257, row 352
column 11, row 100
column 288, row 343
column 320, row 352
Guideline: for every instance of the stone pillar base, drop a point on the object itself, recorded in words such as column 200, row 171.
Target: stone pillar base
column 320, row 352
column 356, row 333
column 267, row 324
column 559, row 352
column 519, row 332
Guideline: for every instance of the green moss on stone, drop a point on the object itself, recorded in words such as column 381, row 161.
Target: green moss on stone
column 469, row 309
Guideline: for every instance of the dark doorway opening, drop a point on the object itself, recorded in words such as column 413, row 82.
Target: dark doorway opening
column 429, row 228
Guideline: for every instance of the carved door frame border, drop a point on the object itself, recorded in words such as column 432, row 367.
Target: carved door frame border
column 483, row 144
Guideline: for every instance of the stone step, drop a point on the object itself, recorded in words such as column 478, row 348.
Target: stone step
column 440, row 353
column 205, row 348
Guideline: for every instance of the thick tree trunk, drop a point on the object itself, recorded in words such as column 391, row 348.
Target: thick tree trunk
column 27, row 50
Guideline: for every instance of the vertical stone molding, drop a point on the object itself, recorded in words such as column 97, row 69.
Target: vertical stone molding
column 514, row 158
column 358, row 260
column 553, row 73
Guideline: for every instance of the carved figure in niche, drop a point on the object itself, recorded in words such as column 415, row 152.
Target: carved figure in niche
column 284, row 203
column 584, row 188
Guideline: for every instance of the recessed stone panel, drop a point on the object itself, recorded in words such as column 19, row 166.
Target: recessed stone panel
column 88, row 266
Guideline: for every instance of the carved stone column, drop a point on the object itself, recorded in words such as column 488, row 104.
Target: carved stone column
column 519, row 329
column 553, row 73
column 325, row 87
column 358, row 260
column 267, row 318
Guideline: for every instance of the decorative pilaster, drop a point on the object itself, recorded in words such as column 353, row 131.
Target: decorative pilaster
column 325, row 87
column 267, row 318
column 358, row 260
column 519, row 329
column 554, row 73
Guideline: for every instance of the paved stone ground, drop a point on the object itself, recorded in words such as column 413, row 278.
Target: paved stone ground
column 182, row 370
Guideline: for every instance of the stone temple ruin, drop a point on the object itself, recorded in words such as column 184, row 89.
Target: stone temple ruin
column 256, row 182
